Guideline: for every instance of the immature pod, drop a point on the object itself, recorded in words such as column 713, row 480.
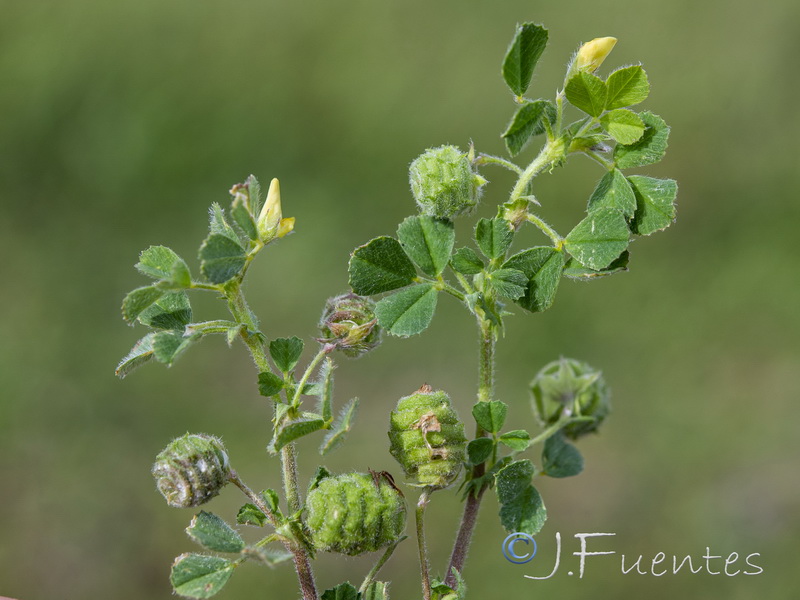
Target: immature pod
column 427, row 438
column 569, row 387
column 349, row 323
column 444, row 183
column 355, row 513
column 191, row 470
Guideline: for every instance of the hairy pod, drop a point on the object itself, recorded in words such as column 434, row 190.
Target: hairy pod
column 444, row 183
column 427, row 438
column 349, row 322
column 191, row 470
column 569, row 387
column 355, row 513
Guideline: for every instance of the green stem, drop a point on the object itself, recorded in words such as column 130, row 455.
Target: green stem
column 254, row 498
column 242, row 314
column 595, row 156
column 557, row 240
column 379, row 565
column 423, row 551
column 550, row 152
column 488, row 159
column 325, row 350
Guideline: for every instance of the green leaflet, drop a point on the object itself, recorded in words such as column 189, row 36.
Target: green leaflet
column 627, row 86
column 613, row 191
column 560, row 458
column 168, row 345
column 140, row 354
column 221, row 258
column 524, row 52
column 623, row 125
column 466, row 261
column 380, row 265
column 490, row 415
column 200, row 575
column 286, row 352
column 575, row 270
column 521, row 506
column 479, row 450
column 509, row 283
column 171, row 312
column 250, row 514
column 340, row 428
column 518, row 439
column 527, row 122
column 138, row 300
column 587, row 92
column 293, row 430
column 211, row 532
column 599, row 239
column 407, row 312
column 542, row 266
column 655, row 203
column 494, row 236
column 428, row 242
column 160, row 262
column 649, row 149
column 343, row 591
column 269, row 384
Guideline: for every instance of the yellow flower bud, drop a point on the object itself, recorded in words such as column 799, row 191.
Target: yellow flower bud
column 269, row 221
column 592, row 54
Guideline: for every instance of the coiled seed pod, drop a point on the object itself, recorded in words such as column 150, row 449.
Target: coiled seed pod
column 191, row 470
column 349, row 322
column 355, row 513
column 569, row 387
column 444, row 183
column 427, row 438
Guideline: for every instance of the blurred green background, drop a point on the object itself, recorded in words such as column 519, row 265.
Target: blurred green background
column 122, row 121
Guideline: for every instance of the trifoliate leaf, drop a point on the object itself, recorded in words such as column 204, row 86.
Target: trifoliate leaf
column 221, row 258
column 490, row 415
column 138, row 300
column 527, row 122
column 170, row 312
column 269, row 384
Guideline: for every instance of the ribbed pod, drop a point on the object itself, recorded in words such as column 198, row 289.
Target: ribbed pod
column 427, row 438
column 355, row 513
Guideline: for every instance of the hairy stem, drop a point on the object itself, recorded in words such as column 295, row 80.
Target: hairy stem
column 472, row 505
column 549, row 153
column 373, row 573
column 423, row 550
column 242, row 314
column 557, row 240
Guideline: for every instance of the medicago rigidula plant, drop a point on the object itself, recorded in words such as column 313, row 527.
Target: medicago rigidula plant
column 360, row 512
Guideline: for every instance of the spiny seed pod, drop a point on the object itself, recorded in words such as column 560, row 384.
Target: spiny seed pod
column 427, row 438
column 349, row 322
column 355, row 513
column 191, row 470
column 444, row 183
column 569, row 387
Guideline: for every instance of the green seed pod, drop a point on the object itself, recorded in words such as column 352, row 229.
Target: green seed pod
column 570, row 387
column 191, row 470
column 427, row 438
column 355, row 513
column 349, row 322
column 444, row 183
